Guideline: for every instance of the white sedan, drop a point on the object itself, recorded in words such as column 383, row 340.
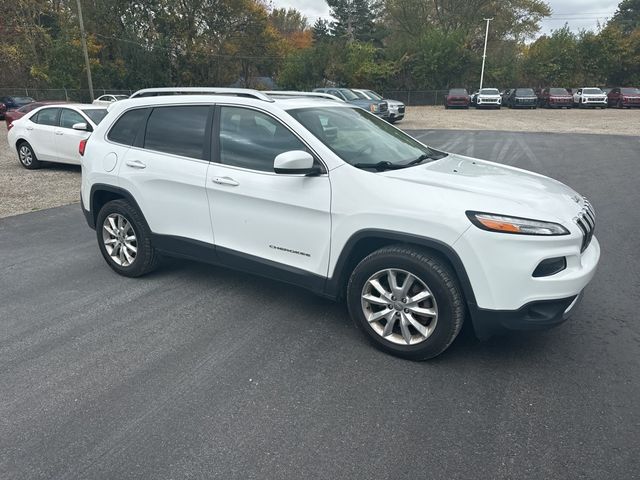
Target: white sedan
column 106, row 100
column 53, row 133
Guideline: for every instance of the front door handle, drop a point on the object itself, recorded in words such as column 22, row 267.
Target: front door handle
column 135, row 164
column 29, row 128
column 225, row 181
column 59, row 132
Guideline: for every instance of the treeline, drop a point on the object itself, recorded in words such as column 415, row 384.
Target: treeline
column 384, row 44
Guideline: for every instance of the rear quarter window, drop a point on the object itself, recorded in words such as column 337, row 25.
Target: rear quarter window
column 126, row 128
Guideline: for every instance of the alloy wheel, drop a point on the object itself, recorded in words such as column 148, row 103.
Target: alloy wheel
column 26, row 155
column 119, row 239
column 399, row 307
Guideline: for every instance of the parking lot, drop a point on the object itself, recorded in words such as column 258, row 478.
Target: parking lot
column 201, row 372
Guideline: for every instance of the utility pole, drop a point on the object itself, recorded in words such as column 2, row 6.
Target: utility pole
column 83, row 38
column 484, row 55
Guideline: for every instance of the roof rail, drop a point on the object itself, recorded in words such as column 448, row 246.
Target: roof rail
column 238, row 92
column 292, row 93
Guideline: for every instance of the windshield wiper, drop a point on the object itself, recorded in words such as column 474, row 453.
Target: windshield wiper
column 380, row 166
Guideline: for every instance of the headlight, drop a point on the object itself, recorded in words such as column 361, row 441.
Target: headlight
column 517, row 225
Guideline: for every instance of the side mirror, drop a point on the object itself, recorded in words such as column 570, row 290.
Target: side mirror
column 81, row 126
column 295, row 162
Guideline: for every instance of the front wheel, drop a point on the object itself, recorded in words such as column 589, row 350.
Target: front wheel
column 407, row 301
column 125, row 239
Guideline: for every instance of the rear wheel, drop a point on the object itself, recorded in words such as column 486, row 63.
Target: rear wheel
column 125, row 239
column 27, row 157
column 406, row 301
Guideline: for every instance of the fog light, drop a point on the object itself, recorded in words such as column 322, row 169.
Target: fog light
column 550, row 266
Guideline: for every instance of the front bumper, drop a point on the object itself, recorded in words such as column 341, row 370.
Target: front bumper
column 540, row 315
column 500, row 269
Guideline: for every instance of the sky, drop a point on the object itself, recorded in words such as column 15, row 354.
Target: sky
column 579, row 14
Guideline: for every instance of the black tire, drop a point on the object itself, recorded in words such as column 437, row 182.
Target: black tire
column 146, row 258
column 434, row 273
column 27, row 156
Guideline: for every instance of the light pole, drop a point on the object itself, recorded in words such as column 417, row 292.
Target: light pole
column 83, row 38
column 484, row 54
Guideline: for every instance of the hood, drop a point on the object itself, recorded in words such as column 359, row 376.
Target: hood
column 522, row 193
column 393, row 103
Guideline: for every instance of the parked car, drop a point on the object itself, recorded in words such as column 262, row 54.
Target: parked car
column 624, row 97
column 52, row 133
column 488, row 97
column 457, row 97
column 377, row 107
column 555, row 98
column 522, row 98
column 319, row 193
column 14, row 115
column 590, row 97
column 106, row 100
column 13, row 103
column 396, row 107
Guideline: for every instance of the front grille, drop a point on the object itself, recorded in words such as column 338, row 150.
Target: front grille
column 586, row 221
column 400, row 109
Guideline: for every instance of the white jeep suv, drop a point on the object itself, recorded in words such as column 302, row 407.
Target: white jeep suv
column 322, row 194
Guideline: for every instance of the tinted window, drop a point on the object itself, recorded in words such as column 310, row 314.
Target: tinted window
column 592, row 91
column 251, row 139
column 558, row 91
column 177, row 130
column 457, row 91
column 48, row 116
column 126, row 128
column 348, row 94
column 489, row 91
column 630, row 91
column 95, row 114
column 374, row 95
column 68, row 118
column 526, row 92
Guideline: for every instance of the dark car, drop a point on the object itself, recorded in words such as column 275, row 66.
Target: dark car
column 14, row 103
column 522, row 98
column 457, row 97
column 624, row 97
column 377, row 107
column 22, row 111
column 555, row 98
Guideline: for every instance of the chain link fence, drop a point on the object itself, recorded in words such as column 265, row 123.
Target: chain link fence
column 417, row 97
column 409, row 97
column 64, row 94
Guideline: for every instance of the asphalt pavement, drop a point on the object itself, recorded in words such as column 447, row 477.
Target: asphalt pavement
column 201, row 372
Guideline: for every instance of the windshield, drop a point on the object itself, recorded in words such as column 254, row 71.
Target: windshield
column 374, row 95
column 558, row 91
column 23, row 100
column 361, row 138
column 525, row 92
column 360, row 95
column 457, row 91
column 96, row 114
column 630, row 91
column 489, row 91
column 592, row 91
column 348, row 94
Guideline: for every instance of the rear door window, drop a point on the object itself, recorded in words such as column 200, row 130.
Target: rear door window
column 179, row 130
column 48, row 116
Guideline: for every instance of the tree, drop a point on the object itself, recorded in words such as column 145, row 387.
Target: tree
column 354, row 19
column 627, row 17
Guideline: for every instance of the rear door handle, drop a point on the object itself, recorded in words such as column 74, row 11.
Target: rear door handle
column 29, row 128
column 135, row 164
column 225, row 181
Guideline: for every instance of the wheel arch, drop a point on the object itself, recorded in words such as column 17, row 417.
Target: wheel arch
column 364, row 242
column 101, row 194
